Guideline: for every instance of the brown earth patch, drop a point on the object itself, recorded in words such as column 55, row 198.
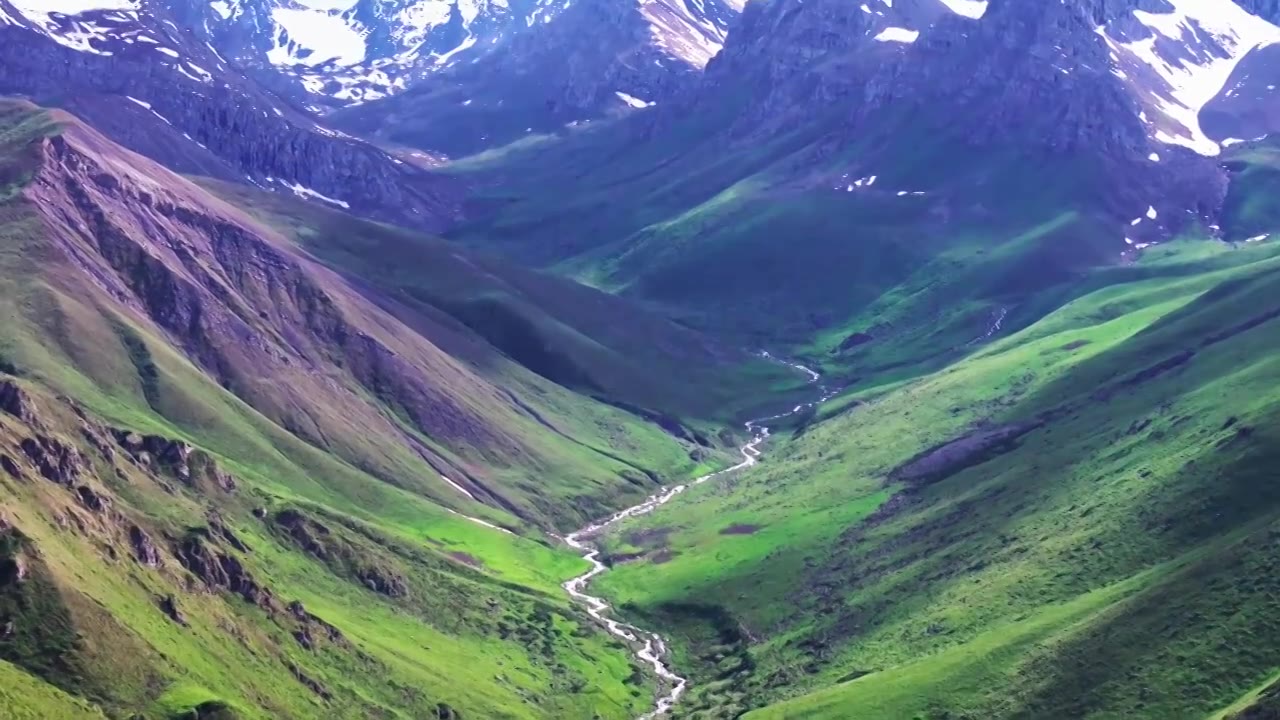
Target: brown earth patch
column 742, row 529
column 962, row 452
column 649, row 538
column 466, row 559
column 1076, row 345
column 662, row 556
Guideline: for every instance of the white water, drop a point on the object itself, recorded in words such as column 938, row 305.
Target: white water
column 652, row 648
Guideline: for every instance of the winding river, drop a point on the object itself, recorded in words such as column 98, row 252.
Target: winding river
column 650, row 647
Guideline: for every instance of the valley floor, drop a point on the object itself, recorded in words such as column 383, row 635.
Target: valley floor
column 1078, row 520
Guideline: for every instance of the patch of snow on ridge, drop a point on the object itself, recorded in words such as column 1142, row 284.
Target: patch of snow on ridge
column 969, row 8
column 632, row 100
column 465, row 45
column 147, row 105
column 897, row 34
column 1192, row 65
column 305, row 192
column 314, row 37
column 32, row 8
column 81, row 35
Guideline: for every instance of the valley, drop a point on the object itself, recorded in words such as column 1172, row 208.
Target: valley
column 400, row 359
column 652, row 646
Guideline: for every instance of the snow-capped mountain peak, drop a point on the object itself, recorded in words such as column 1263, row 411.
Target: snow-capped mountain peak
column 1177, row 61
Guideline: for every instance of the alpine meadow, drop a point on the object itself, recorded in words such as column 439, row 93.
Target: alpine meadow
column 640, row 359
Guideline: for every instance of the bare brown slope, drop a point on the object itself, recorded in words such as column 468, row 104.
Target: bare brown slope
column 302, row 346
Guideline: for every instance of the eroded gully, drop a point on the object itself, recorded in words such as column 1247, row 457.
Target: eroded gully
column 650, row 647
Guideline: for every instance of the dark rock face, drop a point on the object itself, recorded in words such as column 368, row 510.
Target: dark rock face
column 92, row 499
column 310, row 625
column 564, row 72
column 220, row 571
column 305, row 533
column 1037, row 76
column 16, row 402
column 169, row 606
column 177, row 459
column 10, row 466
column 309, row 682
column 143, row 549
column 383, row 582
column 221, row 126
column 56, row 460
column 340, row 555
column 1268, row 10
column 855, row 340
column 220, row 530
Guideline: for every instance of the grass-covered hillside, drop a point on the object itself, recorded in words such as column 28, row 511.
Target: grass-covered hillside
column 811, row 230
column 1076, row 520
column 289, row 465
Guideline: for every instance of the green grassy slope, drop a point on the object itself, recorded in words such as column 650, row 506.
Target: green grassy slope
column 324, row 569
column 1250, row 207
column 786, row 240
column 1111, row 558
column 586, row 340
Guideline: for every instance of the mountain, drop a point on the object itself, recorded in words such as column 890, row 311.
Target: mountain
column 844, row 131
column 246, row 457
column 332, row 54
column 328, row 323
column 132, row 73
column 1033, row 242
column 595, row 60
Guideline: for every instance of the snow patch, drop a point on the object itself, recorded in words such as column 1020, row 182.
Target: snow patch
column 314, row 37
column 1198, row 75
column 305, row 192
column 222, row 8
column 632, row 100
column 897, row 34
column 32, row 8
column 466, row 44
column 1151, row 213
column 969, row 8
column 82, row 34
column 147, row 105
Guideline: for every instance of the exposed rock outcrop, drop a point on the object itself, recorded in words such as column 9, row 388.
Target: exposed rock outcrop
column 224, row 127
column 143, row 548
column 177, row 459
column 56, row 460
column 10, row 466
column 92, row 499
column 221, row 571
column 169, row 606
column 340, row 554
column 962, row 452
column 17, row 402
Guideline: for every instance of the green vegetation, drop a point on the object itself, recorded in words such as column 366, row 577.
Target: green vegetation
column 788, row 242
column 1115, row 559
column 580, row 338
column 193, row 528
